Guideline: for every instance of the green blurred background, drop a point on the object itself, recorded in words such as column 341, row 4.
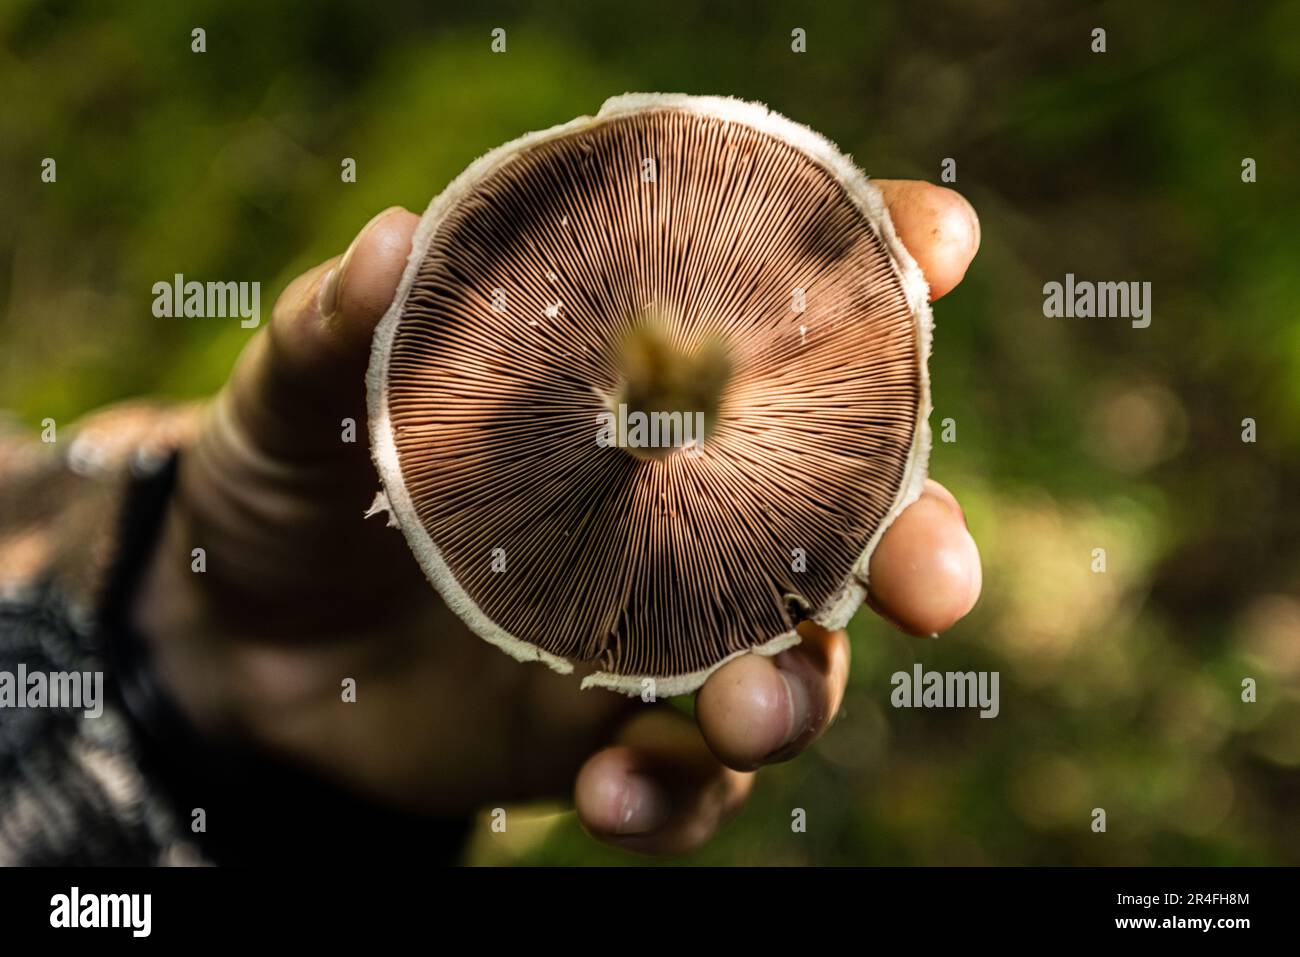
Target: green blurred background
column 1120, row 690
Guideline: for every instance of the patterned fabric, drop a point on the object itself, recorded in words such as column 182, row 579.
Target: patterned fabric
column 71, row 788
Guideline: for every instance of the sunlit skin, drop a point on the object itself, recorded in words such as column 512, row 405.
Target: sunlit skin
column 300, row 593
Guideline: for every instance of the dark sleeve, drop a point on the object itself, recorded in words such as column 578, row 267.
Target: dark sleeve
column 129, row 780
column 71, row 787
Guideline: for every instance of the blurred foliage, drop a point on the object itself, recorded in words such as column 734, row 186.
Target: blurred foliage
column 1119, row 690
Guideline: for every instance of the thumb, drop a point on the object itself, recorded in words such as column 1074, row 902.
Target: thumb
column 296, row 379
column 271, row 487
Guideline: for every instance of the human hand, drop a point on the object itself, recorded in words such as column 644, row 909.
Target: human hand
column 300, row 593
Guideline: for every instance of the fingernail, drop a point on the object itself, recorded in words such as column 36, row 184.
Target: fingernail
column 330, row 295
column 644, row 807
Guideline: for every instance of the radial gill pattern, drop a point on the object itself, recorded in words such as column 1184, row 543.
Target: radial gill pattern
column 508, row 349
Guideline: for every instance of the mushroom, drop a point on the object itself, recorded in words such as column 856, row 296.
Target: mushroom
column 573, row 290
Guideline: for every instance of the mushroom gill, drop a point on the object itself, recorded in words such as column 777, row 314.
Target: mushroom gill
column 696, row 260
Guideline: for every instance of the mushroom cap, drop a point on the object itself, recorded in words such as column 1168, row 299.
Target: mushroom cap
column 718, row 221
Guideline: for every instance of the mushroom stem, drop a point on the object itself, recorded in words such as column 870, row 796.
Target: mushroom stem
column 669, row 394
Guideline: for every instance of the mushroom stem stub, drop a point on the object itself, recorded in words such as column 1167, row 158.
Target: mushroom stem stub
column 669, row 382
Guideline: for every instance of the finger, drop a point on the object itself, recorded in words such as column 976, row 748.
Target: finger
column 279, row 477
column 757, row 710
column 925, row 574
column 329, row 314
column 658, row 790
column 938, row 227
column 297, row 381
